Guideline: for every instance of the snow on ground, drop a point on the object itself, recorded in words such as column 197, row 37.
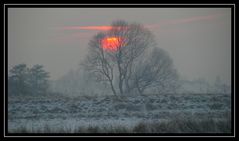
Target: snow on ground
column 34, row 113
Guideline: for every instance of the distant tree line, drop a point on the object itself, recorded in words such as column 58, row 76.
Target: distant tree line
column 200, row 85
column 24, row 81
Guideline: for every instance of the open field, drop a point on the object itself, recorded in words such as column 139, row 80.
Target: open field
column 164, row 113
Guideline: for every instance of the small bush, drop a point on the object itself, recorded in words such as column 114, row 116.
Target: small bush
column 93, row 129
column 120, row 106
column 215, row 106
column 140, row 128
column 131, row 107
column 150, row 106
column 118, row 129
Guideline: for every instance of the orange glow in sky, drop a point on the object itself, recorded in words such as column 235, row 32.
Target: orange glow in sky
column 111, row 43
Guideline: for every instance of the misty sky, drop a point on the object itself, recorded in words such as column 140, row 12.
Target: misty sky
column 198, row 39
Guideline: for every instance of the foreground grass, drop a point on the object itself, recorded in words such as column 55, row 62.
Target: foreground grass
column 187, row 125
column 164, row 113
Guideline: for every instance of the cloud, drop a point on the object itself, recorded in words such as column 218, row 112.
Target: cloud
column 183, row 21
column 150, row 26
column 87, row 28
column 190, row 19
column 96, row 28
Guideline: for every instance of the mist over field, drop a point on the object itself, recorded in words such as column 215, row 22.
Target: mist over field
column 135, row 70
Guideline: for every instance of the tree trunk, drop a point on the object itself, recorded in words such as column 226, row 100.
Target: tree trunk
column 139, row 90
column 120, row 78
column 121, row 87
column 128, row 89
column 112, row 88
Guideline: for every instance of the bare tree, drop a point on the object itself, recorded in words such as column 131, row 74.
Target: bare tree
column 99, row 63
column 221, row 87
column 155, row 71
column 118, row 62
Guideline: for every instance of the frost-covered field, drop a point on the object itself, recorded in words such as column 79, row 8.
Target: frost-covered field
column 151, row 113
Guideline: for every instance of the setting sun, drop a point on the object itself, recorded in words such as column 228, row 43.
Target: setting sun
column 111, row 43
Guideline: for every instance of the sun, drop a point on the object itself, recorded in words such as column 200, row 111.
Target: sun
column 111, row 43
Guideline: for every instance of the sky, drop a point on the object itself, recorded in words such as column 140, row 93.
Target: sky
column 197, row 39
